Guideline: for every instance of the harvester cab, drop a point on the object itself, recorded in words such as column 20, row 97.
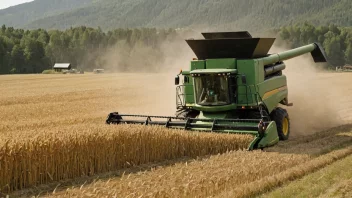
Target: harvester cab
column 234, row 86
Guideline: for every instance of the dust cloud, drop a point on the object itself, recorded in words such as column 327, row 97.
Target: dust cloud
column 176, row 55
column 313, row 95
column 167, row 56
column 152, row 73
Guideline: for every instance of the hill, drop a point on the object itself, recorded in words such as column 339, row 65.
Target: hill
column 205, row 14
column 23, row 14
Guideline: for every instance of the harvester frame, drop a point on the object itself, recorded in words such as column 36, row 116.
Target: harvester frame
column 234, row 86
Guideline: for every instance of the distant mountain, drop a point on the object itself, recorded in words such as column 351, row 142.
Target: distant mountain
column 205, row 14
column 21, row 15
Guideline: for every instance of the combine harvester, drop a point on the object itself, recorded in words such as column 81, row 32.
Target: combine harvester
column 234, row 86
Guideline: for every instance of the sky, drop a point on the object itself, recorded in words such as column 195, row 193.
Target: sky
column 8, row 3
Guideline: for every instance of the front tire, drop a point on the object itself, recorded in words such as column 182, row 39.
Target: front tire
column 282, row 120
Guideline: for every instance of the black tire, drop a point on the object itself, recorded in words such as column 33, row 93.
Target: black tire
column 282, row 120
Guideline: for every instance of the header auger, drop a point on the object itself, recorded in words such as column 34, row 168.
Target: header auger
column 234, row 86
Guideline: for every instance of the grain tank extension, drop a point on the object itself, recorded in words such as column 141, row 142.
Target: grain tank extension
column 234, row 86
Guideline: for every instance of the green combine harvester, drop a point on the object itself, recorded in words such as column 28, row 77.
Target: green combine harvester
column 234, row 86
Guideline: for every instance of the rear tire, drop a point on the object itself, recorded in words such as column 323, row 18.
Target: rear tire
column 282, row 120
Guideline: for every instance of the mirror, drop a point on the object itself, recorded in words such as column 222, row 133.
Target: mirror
column 244, row 79
column 177, row 80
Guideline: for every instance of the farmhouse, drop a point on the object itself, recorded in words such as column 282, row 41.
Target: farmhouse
column 58, row 67
column 347, row 67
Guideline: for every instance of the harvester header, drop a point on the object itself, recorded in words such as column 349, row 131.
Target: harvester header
column 234, row 86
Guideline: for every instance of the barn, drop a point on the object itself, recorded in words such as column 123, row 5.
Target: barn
column 59, row 67
column 347, row 67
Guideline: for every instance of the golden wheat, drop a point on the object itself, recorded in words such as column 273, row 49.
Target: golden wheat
column 234, row 174
column 196, row 179
column 56, row 157
column 268, row 183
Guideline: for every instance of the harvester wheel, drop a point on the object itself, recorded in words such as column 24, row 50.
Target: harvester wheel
column 280, row 116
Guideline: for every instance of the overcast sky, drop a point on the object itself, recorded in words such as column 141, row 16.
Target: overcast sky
column 8, row 3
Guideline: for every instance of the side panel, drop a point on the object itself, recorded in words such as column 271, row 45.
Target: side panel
column 273, row 90
column 249, row 70
column 197, row 65
column 226, row 63
column 270, row 91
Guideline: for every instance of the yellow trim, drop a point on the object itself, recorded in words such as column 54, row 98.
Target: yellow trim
column 272, row 92
column 276, row 139
column 285, row 126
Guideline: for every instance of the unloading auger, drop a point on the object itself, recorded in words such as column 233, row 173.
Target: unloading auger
column 234, row 86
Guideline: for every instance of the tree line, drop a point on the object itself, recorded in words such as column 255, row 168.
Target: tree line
column 337, row 41
column 32, row 51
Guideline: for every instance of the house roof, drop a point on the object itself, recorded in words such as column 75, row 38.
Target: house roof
column 62, row 65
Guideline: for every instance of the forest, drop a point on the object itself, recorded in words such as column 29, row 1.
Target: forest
column 32, row 51
column 210, row 15
column 337, row 41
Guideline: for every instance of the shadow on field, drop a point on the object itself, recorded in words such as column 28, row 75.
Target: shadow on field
column 318, row 143
column 48, row 189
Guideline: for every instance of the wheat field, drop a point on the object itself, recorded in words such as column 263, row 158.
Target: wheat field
column 53, row 136
column 234, row 174
column 48, row 141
